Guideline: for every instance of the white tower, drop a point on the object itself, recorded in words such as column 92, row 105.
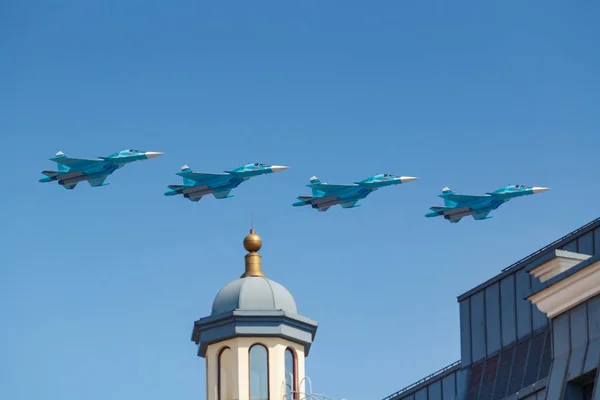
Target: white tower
column 254, row 341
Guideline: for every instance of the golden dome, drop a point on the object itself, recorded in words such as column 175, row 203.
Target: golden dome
column 252, row 242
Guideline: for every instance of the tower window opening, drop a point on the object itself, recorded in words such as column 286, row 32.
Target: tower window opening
column 225, row 381
column 290, row 375
column 259, row 372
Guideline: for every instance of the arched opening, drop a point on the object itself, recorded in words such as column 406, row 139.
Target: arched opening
column 259, row 372
column 225, row 374
column 291, row 378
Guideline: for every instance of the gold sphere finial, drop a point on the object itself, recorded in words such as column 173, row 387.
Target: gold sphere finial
column 252, row 242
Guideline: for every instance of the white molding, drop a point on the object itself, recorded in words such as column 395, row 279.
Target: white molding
column 563, row 261
column 569, row 292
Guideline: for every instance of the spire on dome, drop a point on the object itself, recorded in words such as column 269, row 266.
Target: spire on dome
column 253, row 243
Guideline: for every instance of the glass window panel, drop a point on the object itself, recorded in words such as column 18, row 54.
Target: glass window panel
column 259, row 373
column 462, row 377
column 507, row 296
column 571, row 246
column 421, row 394
column 489, row 376
column 290, row 374
column 478, row 338
column 474, row 381
column 225, row 374
column 435, row 391
column 506, row 358
column 535, row 356
column 597, row 241
column 492, row 315
column 449, row 387
column 518, row 368
column 586, row 244
column 523, row 305
column 465, row 331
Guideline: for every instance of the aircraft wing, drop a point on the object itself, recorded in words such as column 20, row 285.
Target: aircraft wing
column 202, row 178
column 325, row 187
column 463, row 198
column 78, row 163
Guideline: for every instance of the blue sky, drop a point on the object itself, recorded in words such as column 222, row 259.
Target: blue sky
column 100, row 286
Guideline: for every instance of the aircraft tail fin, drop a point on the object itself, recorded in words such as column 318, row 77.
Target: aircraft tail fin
column 61, row 167
column 186, row 181
column 447, row 202
column 316, row 181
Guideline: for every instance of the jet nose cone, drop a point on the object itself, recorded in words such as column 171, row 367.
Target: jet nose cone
column 405, row 179
column 539, row 189
column 153, row 154
column 278, row 168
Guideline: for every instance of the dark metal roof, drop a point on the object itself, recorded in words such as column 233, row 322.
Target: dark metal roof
column 533, row 257
column 438, row 374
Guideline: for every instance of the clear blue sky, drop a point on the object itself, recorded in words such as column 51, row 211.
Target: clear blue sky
column 99, row 287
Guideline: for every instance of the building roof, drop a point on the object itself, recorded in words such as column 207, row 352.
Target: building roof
column 534, row 258
column 254, row 293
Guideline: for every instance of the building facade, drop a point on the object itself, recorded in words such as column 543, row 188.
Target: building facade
column 531, row 332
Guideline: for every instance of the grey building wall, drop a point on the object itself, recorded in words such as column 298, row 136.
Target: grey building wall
column 576, row 341
column 494, row 315
column 506, row 344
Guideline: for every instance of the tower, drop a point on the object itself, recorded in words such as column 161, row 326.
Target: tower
column 254, row 341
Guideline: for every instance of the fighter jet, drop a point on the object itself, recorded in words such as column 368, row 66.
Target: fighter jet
column 196, row 184
column 326, row 195
column 458, row 206
column 71, row 171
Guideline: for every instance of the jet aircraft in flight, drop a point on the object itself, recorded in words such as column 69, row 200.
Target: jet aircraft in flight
column 458, row 206
column 325, row 195
column 71, row 171
column 196, row 184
